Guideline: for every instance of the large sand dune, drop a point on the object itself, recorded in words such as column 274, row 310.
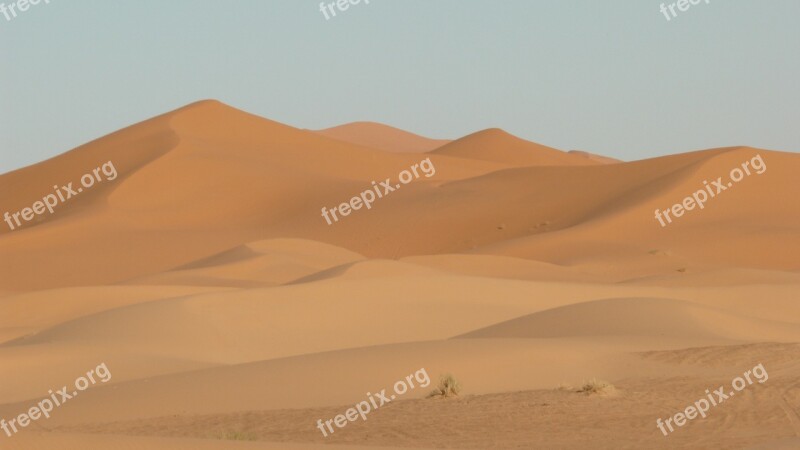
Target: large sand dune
column 226, row 307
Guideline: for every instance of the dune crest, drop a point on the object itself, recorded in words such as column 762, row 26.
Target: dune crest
column 382, row 137
column 496, row 145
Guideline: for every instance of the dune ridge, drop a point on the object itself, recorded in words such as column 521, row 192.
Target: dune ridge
column 382, row 137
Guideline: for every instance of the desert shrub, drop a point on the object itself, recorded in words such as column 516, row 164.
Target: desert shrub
column 448, row 387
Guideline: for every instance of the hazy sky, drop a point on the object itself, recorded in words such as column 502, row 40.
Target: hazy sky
column 612, row 77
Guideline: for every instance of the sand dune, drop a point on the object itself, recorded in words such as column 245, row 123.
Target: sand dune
column 593, row 157
column 521, row 212
column 206, row 279
column 632, row 317
column 496, row 145
column 382, row 137
column 257, row 264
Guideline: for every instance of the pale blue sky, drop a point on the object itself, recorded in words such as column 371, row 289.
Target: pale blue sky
column 612, row 77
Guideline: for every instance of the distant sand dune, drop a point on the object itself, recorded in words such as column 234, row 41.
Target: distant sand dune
column 382, row 137
column 496, row 145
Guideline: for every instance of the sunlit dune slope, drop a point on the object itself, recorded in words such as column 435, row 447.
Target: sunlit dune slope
column 496, row 145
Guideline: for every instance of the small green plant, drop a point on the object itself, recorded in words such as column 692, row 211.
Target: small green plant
column 448, row 387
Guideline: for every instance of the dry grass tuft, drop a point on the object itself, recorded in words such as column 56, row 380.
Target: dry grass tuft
column 448, row 387
column 595, row 386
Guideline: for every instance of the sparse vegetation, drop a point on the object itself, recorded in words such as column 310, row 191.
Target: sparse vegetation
column 595, row 386
column 448, row 387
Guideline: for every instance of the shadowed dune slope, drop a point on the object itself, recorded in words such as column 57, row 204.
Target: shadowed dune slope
column 639, row 317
